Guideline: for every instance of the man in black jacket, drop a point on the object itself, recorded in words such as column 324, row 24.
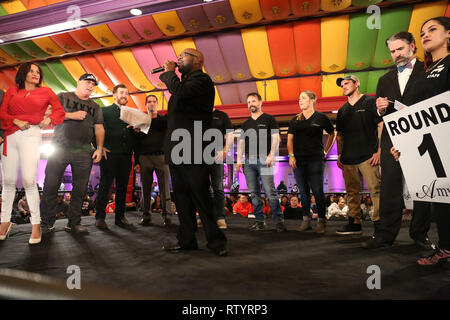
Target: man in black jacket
column 189, row 115
column 398, row 84
column 149, row 158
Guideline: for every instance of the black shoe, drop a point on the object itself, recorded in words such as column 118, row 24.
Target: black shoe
column 77, row 229
column 124, row 223
column 146, row 220
column 46, row 229
column 376, row 242
column 350, row 228
column 280, row 227
column 220, row 252
column 101, row 224
column 257, row 226
column 167, row 222
column 425, row 245
column 376, row 227
column 176, row 248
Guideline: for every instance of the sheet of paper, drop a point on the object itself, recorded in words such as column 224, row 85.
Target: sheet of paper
column 398, row 105
column 135, row 117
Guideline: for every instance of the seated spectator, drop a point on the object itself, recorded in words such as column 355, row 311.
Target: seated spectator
column 294, row 211
column 284, row 201
column 243, row 206
column 295, row 190
column 87, row 207
column 23, row 207
column 282, row 188
column 156, row 206
column 111, row 206
column 367, row 208
column 338, row 211
column 266, row 209
column 173, row 209
column 67, row 197
column 61, row 208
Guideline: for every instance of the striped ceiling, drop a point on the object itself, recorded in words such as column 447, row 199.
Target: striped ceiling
column 275, row 57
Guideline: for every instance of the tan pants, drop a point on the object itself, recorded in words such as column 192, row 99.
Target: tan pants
column 352, row 177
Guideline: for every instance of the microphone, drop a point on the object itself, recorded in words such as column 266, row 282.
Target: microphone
column 156, row 70
column 160, row 69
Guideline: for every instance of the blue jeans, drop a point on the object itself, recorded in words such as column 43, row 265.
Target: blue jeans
column 252, row 174
column 309, row 175
column 217, row 185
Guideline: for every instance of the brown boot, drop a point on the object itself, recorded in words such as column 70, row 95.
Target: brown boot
column 320, row 226
column 306, row 224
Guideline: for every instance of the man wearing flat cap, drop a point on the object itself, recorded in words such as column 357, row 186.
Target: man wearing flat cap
column 72, row 142
column 359, row 128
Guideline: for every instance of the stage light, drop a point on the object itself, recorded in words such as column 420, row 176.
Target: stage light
column 47, row 149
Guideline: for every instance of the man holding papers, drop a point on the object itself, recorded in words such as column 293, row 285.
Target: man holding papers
column 116, row 162
column 399, row 84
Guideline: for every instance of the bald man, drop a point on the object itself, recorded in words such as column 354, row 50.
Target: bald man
column 190, row 108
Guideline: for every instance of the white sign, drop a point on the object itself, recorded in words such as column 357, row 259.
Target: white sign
column 421, row 133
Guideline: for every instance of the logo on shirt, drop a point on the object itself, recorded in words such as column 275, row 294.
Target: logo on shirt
column 315, row 125
column 436, row 72
column 361, row 110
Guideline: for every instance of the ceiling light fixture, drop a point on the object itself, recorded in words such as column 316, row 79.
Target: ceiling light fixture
column 135, row 12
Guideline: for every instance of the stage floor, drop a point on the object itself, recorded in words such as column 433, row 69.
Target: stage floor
column 261, row 265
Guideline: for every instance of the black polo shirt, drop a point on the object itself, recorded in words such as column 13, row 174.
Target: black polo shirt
column 358, row 124
column 259, row 131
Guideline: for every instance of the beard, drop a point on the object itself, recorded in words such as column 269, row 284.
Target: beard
column 253, row 109
column 405, row 59
column 185, row 69
column 123, row 101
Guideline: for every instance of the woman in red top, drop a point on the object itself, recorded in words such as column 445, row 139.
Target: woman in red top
column 22, row 116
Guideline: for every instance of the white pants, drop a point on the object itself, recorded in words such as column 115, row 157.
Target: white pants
column 23, row 148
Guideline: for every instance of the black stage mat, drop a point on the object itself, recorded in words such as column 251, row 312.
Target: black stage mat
column 261, row 265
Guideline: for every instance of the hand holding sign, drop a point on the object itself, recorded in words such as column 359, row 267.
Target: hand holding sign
column 421, row 131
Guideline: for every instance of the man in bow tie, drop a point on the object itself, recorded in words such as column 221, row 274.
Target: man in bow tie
column 398, row 84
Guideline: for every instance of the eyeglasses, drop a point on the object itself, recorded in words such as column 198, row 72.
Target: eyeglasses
column 183, row 54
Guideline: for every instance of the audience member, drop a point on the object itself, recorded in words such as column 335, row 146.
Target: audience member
column 243, row 206
column 338, row 211
column 87, row 206
column 282, row 188
column 294, row 210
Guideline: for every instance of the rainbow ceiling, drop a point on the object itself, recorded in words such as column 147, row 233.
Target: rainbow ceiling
column 278, row 59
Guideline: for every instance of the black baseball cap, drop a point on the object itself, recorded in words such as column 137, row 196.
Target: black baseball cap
column 347, row 77
column 90, row 77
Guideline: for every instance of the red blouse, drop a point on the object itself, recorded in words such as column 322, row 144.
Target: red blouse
column 28, row 106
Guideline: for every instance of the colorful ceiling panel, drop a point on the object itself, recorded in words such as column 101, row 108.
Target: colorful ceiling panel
column 275, row 9
column 194, row 19
column 219, row 14
column 235, row 59
column 124, row 31
column 258, row 53
column 146, row 27
column 246, row 12
column 214, row 64
column 282, row 49
column 308, row 56
column 334, row 43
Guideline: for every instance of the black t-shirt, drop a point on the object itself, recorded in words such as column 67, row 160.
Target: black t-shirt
column 358, row 125
column 436, row 80
column 253, row 130
column 221, row 121
column 308, row 133
column 77, row 134
column 293, row 213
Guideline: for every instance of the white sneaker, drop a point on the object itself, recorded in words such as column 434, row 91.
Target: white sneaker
column 251, row 216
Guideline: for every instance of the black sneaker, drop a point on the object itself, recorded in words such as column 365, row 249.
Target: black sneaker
column 257, row 226
column 46, row 229
column 350, row 228
column 77, row 229
column 146, row 219
column 376, row 242
column 280, row 227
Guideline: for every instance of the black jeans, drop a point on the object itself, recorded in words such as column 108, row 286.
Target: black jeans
column 191, row 192
column 309, row 175
column 442, row 211
column 392, row 203
column 117, row 166
column 217, row 185
column 81, row 164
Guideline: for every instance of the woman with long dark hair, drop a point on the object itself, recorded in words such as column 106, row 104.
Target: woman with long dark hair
column 435, row 38
column 307, row 155
column 22, row 116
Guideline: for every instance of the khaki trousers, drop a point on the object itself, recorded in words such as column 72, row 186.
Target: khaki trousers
column 352, row 177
